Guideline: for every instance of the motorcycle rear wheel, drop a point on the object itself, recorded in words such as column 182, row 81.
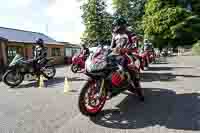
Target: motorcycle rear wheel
column 91, row 110
column 138, row 90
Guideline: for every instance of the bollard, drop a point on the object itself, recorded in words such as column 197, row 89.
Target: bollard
column 66, row 85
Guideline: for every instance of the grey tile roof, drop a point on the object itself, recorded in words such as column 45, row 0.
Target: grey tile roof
column 15, row 35
column 67, row 44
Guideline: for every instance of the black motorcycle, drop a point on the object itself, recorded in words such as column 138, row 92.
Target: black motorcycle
column 106, row 81
column 19, row 67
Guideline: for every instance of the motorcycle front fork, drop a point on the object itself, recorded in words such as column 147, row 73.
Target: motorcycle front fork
column 101, row 88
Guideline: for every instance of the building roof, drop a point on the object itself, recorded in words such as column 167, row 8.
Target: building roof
column 16, row 35
column 67, row 44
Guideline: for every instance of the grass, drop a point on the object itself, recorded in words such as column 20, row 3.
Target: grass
column 196, row 48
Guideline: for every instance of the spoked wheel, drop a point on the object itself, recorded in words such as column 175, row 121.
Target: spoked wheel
column 49, row 72
column 74, row 68
column 138, row 90
column 90, row 101
column 12, row 78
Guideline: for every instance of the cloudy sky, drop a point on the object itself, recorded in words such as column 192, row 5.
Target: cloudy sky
column 62, row 17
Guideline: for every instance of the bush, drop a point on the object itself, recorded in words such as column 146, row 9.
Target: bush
column 196, row 48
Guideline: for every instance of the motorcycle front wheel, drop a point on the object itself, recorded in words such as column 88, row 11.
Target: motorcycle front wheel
column 90, row 104
column 74, row 68
column 49, row 72
column 12, row 78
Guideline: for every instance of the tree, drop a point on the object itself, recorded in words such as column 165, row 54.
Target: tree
column 97, row 22
column 132, row 10
column 121, row 7
column 166, row 22
column 195, row 6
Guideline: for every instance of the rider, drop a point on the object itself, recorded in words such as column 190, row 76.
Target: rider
column 121, row 38
column 122, row 42
column 40, row 54
column 85, row 51
column 148, row 45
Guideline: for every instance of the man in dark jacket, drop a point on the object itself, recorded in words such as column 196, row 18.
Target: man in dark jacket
column 40, row 54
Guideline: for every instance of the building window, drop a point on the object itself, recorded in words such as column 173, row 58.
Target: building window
column 75, row 51
column 68, row 52
column 56, row 52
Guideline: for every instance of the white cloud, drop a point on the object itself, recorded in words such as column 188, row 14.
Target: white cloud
column 72, row 37
column 16, row 3
column 62, row 8
column 109, row 6
column 66, row 14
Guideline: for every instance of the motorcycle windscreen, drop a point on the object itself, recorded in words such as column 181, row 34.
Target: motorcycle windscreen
column 16, row 59
column 96, row 63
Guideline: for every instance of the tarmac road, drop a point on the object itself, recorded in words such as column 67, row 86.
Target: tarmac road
column 172, row 104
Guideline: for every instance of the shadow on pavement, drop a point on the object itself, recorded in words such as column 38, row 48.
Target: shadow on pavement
column 51, row 82
column 161, row 107
column 58, row 80
column 150, row 77
column 30, row 84
column 167, row 68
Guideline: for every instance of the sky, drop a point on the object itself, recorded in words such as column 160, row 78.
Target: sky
column 59, row 19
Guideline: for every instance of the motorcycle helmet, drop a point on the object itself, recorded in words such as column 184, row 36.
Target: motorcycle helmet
column 40, row 42
column 83, row 46
column 119, row 24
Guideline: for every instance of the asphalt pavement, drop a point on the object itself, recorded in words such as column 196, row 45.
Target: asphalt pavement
column 172, row 104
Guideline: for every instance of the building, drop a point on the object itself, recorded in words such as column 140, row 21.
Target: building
column 14, row 41
column 70, row 50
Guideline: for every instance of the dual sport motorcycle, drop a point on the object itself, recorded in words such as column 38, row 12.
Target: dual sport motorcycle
column 19, row 68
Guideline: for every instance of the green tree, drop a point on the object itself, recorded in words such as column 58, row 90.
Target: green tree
column 97, row 22
column 195, row 6
column 167, row 22
column 121, row 7
column 132, row 10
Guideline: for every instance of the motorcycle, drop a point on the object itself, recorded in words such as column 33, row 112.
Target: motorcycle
column 152, row 56
column 19, row 68
column 148, row 57
column 138, row 57
column 145, row 59
column 107, row 80
column 78, row 63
